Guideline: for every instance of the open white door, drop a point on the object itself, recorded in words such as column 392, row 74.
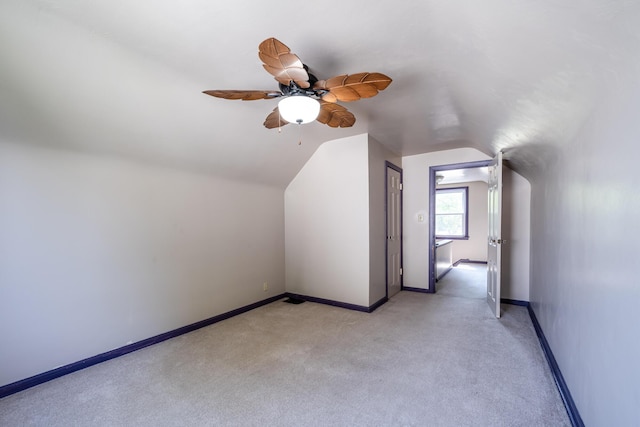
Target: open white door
column 494, row 254
column 394, row 231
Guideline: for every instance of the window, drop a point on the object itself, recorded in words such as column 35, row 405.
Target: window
column 452, row 205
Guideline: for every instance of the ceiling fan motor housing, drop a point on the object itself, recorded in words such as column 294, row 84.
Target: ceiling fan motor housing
column 293, row 89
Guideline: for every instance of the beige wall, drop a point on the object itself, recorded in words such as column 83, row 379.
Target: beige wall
column 327, row 224
column 96, row 253
column 335, row 223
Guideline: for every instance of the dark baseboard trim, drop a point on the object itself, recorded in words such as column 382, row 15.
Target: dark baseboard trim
column 378, row 304
column 26, row 383
column 421, row 290
column 444, row 274
column 340, row 304
column 6, row 390
column 514, row 302
column 565, row 394
column 468, row 261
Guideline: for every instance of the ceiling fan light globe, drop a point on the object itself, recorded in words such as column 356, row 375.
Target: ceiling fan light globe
column 299, row 109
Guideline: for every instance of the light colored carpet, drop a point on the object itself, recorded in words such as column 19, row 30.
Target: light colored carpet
column 467, row 280
column 420, row 359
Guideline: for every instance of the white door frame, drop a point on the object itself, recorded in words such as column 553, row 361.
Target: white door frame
column 432, row 212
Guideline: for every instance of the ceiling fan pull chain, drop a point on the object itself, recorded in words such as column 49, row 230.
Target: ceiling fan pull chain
column 299, row 133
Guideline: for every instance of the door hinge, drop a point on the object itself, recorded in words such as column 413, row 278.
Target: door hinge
column 400, row 186
column 401, row 271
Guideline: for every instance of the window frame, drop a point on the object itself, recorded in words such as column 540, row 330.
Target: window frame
column 465, row 221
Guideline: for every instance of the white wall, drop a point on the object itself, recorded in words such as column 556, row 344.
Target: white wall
column 97, row 252
column 327, row 224
column 335, row 223
column 516, row 230
column 585, row 285
column 515, row 284
column 475, row 248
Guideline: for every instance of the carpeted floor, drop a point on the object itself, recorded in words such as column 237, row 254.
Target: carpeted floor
column 466, row 280
column 419, row 360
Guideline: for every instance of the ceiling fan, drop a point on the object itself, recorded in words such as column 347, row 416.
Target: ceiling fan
column 304, row 97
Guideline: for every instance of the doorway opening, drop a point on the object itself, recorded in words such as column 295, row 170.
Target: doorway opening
column 393, row 229
column 465, row 280
column 439, row 176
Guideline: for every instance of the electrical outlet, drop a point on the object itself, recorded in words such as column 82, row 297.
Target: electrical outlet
column 265, row 286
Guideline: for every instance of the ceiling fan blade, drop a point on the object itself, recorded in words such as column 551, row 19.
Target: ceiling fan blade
column 335, row 115
column 245, row 95
column 282, row 64
column 353, row 87
column 274, row 120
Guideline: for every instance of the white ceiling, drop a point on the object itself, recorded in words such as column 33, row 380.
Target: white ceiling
column 125, row 77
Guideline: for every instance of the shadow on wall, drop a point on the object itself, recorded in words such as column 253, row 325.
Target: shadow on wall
column 531, row 160
column 507, row 235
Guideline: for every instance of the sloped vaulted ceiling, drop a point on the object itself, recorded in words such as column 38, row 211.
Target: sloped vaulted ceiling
column 125, row 78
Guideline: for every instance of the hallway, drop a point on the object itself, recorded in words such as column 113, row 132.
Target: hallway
column 466, row 280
